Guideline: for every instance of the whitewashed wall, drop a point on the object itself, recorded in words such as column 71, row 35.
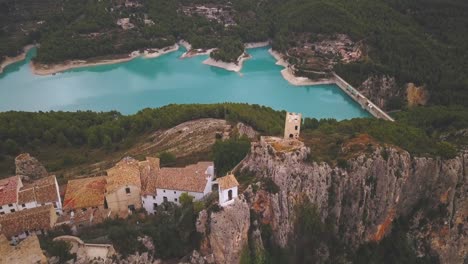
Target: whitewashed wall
column 174, row 195
column 224, row 197
column 6, row 209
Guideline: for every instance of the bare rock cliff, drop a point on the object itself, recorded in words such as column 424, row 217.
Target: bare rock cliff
column 227, row 231
column 363, row 200
column 380, row 90
column 29, row 167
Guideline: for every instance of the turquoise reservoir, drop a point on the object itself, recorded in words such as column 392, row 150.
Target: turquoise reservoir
column 131, row 86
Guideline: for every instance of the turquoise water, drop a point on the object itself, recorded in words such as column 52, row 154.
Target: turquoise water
column 131, row 86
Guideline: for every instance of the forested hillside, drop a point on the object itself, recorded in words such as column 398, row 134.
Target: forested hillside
column 419, row 41
column 66, row 139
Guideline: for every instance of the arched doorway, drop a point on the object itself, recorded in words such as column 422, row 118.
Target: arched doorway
column 229, row 195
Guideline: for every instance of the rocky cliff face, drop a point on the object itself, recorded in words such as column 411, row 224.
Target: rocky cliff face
column 363, row 200
column 380, row 89
column 224, row 233
column 416, row 95
column 29, row 167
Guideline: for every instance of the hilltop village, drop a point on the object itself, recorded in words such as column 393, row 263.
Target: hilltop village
column 31, row 203
column 34, row 207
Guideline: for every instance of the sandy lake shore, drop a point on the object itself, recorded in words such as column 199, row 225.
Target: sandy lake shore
column 289, row 76
column 253, row 45
column 47, row 69
column 10, row 60
column 230, row 66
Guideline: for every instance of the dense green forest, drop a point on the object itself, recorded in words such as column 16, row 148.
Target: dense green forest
column 420, row 41
column 422, row 131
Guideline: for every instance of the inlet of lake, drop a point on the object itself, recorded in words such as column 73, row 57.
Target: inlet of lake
column 131, row 86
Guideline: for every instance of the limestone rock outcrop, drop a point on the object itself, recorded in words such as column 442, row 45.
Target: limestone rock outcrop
column 246, row 130
column 29, row 167
column 416, row 95
column 363, row 200
column 380, row 89
column 229, row 231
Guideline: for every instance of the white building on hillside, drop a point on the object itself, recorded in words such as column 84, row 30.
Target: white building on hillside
column 16, row 196
column 167, row 184
column 227, row 189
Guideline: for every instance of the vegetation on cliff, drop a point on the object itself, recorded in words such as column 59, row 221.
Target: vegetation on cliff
column 228, row 153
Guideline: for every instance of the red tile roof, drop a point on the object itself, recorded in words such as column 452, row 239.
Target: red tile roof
column 148, row 170
column 42, row 191
column 26, row 196
column 192, row 178
column 85, row 193
column 126, row 172
column 38, row 218
column 9, row 190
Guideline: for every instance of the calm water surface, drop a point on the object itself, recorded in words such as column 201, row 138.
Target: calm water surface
column 131, row 86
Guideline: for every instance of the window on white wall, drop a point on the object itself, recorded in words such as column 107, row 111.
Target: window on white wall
column 127, row 190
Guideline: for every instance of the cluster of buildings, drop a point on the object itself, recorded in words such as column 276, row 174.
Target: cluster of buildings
column 35, row 206
column 130, row 185
column 28, row 208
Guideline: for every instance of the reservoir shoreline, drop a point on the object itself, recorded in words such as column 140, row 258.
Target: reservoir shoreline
column 10, row 60
column 354, row 94
column 132, row 86
column 49, row 69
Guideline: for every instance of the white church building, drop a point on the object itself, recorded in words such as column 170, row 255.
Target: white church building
column 227, row 189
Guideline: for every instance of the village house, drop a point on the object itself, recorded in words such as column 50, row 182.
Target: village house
column 123, row 188
column 84, row 194
column 227, row 189
column 169, row 183
column 132, row 184
column 19, row 225
column 84, row 202
column 292, row 127
column 44, row 191
column 16, row 196
column 9, row 189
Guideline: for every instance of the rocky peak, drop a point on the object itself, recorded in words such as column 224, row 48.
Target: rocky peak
column 29, row 167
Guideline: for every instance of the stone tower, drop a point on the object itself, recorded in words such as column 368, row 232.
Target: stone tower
column 292, row 127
